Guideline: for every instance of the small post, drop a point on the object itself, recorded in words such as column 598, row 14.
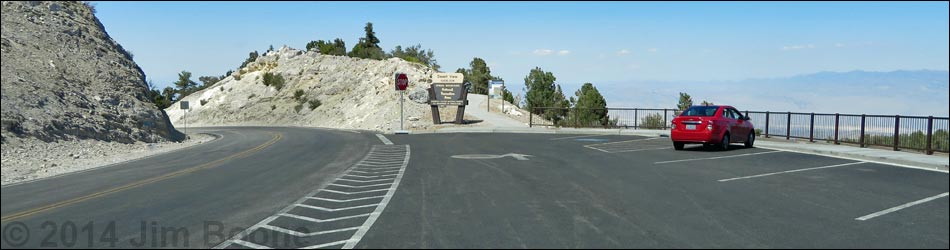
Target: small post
column 401, row 108
column 863, row 119
column 897, row 130
column 930, row 134
column 636, row 119
column 837, row 120
column 665, row 120
column 788, row 127
column 576, row 123
column 530, row 118
column 767, row 120
column 436, row 118
column 811, row 130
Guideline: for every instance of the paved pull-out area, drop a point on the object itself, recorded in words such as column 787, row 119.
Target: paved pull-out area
column 614, row 192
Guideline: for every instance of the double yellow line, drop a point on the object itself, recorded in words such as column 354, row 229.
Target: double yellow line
column 208, row 165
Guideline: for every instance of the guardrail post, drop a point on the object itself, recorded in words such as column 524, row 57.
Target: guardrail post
column 930, row 134
column 897, row 130
column 767, row 120
column 863, row 118
column 837, row 127
column 665, row 120
column 811, row 129
column 788, row 127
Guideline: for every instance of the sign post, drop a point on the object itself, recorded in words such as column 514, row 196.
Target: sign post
column 402, row 82
column 447, row 89
column 184, row 115
column 496, row 89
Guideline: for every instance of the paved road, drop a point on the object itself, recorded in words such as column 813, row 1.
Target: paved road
column 598, row 192
column 230, row 183
column 288, row 187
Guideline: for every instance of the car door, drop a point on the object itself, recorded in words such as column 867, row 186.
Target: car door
column 742, row 126
column 729, row 118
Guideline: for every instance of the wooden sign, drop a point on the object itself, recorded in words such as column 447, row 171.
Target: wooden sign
column 447, row 89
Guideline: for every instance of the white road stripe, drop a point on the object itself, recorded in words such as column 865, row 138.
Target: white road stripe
column 315, row 220
column 333, row 209
column 637, row 150
column 714, row 158
column 366, row 181
column 344, row 201
column 328, row 244
column 601, row 150
column 608, row 143
column 382, row 206
column 791, row 171
column 856, row 159
column 368, row 176
column 898, row 208
column 383, row 138
column 360, row 192
column 363, row 186
column 302, row 234
column 250, row 245
column 579, row 136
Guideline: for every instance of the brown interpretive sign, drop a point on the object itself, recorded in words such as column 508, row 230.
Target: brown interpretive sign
column 447, row 89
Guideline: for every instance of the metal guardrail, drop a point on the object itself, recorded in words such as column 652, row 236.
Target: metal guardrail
column 927, row 134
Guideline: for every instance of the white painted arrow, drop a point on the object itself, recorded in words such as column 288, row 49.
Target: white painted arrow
column 520, row 157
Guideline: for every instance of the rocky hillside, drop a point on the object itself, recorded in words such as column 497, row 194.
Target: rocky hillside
column 353, row 93
column 64, row 78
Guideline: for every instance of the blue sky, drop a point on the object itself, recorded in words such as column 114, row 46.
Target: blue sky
column 578, row 41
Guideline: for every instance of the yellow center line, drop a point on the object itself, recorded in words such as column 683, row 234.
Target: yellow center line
column 208, row 165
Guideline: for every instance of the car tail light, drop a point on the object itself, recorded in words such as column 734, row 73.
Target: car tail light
column 673, row 125
column 710, row 126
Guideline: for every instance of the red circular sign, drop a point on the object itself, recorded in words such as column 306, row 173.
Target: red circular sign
column 402, row 81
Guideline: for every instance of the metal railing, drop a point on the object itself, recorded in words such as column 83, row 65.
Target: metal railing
column 927, row 134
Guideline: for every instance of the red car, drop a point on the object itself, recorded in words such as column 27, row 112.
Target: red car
column 712, row 125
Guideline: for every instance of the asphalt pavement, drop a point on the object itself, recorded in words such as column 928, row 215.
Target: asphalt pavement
column 194, row 198
column 325, row 188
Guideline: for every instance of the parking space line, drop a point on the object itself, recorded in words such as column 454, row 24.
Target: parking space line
column 855, row 159
column 714, row 158
column 368, row 176
column 601, row 150
column 579, row 136
column 638, row 150
column 791, row 171
column 898, row 208
column 608, row 143
column 363, row 186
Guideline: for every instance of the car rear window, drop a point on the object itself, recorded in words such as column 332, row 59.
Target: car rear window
column 700, row 111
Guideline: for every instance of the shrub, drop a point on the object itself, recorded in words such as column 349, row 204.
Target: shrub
column 653, row 121
column 222, row 89
column 758, row 132
column 314, row 104
column 298, row 94
column 274, row 80
column 251, row 96
column 298, row 108
column 273, row 107
column 203, row 102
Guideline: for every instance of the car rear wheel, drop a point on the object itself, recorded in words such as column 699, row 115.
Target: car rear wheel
column 750, row 142
column 724, row 145
column 678, row 145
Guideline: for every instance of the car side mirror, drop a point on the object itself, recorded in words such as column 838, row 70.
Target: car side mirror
column 745, row 118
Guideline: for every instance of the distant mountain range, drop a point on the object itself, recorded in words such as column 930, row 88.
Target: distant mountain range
column 921, row 92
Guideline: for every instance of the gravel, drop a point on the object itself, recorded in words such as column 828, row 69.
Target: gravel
column 25, row 159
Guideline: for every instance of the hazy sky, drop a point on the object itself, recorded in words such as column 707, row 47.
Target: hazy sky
column 578, row 41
